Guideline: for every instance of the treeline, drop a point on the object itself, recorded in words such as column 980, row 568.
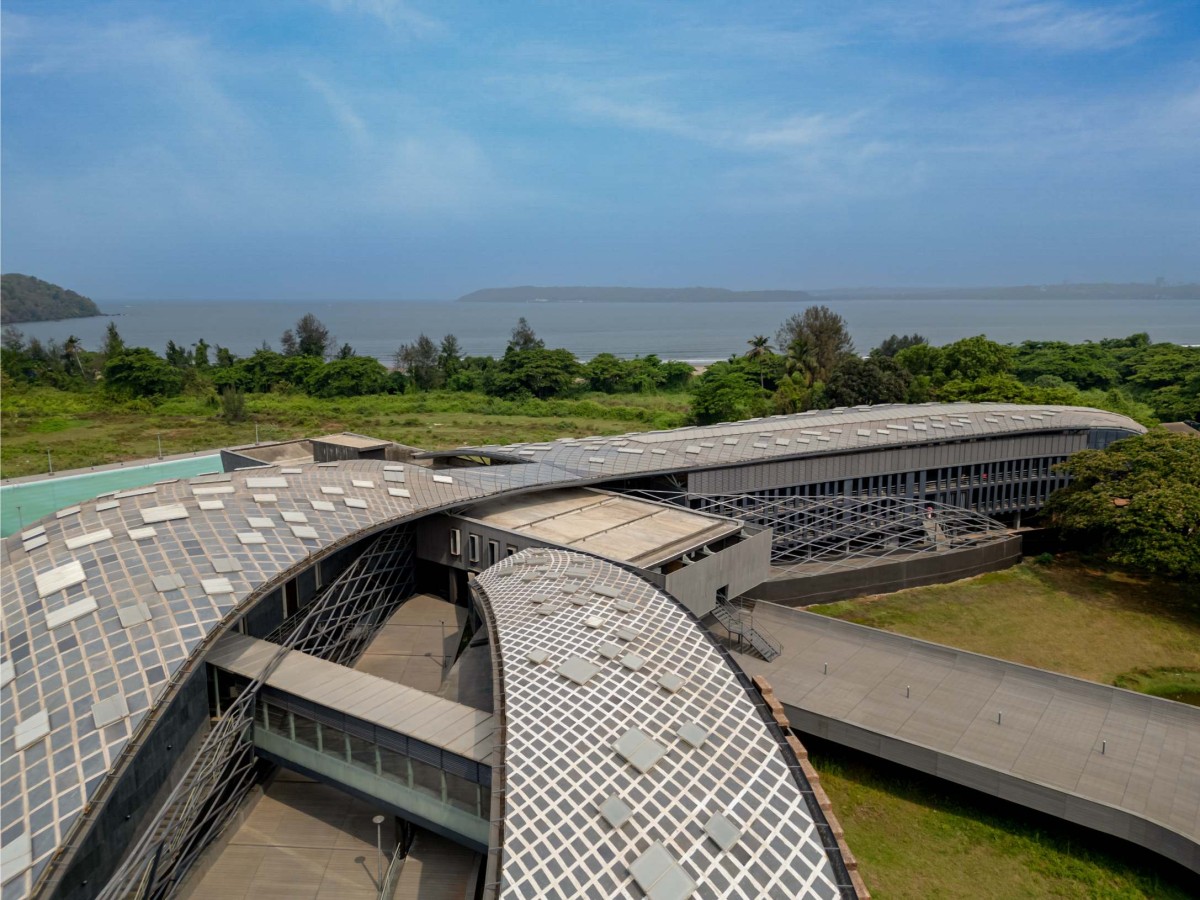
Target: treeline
column 818, row 368
column 310, row 361
column 811, row 364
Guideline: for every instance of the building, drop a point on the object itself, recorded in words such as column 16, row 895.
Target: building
column 143, row 631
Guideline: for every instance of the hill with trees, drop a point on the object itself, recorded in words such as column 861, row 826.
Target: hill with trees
column 24, row 298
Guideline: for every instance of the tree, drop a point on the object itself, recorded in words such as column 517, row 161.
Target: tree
column 71, row 350
column 877, row 379
column 523, row 337
column 760, row 346
column 976, row 357
column 233, row 403
column 826, row 336
column 725, row 393
column 354, row 376
column 449, row 357
column 1136, row 503
column 539, row 372
column 345, row 351
column 177, row 356
column 605, row 373
column 419, row 361
column 310, row 338
column 200, row 354
column 140, row 372
column 893, row 344
column 113, row 343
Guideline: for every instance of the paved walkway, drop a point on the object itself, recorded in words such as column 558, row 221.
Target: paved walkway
column 300, row 841
column 1123, row 763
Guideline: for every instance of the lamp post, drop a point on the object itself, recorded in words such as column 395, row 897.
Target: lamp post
column 159, row 436
column 378, row 820
column 50, row 462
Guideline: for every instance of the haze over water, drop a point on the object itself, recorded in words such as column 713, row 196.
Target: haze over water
column 696, row 332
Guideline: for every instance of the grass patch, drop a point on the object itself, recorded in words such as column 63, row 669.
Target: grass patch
column 87, row 429
column 916, row 836
column 1068, row 616
column 1172, row 683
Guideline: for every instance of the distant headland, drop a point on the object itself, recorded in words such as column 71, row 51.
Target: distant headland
column 24, row 298
column 532, row 294
column 1090, row 291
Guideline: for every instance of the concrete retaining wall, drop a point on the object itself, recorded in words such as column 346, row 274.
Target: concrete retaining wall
column 912, row 571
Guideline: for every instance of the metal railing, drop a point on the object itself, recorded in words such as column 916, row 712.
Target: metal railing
column 741, row 627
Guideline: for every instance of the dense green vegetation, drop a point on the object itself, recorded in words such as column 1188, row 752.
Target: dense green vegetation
column 1136, row 503
column 816, row 367
column 24, row 298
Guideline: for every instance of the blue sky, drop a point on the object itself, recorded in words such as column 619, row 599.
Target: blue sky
column 314, row 149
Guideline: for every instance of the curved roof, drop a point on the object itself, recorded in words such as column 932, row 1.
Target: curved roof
column 809, row 433
column 105, row 602
column 626, row 729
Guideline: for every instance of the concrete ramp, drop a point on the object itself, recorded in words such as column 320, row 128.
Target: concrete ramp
column 1122, row 763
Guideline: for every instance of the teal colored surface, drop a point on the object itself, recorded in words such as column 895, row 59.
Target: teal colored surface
column 21, row 505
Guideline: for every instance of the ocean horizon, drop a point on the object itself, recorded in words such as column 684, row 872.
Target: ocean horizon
column 693, row 332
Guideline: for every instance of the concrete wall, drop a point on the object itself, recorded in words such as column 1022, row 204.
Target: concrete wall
column 119, row 820
column 911, row 571
column 739, row 567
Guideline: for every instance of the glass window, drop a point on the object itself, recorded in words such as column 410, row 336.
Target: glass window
column 473, row 548
column 455, row 542
column 493, row 552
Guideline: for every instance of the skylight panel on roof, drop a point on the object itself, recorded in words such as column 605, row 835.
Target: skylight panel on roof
column 109, row 710
column 693, row 734
column 577, row 669
column 142, row 534
column 399, row 492
column 639, row 749
column 724, row 832
column 32, row 730
column 60, row 578
column 362, row 483
column 265, row 498
column 443, row 479
column 272, row 482
column 260, row 522
column 330, row 489
column 671, row 682
column 211, row 505
column 322, row 505
column 107, row 505
column 615, row 811
column 88, row 538
column 152, row 514
column 609, row 650
column 355, row 503
column 133, row 614
column 69, row 511
column 69, row 613
column 251, row 537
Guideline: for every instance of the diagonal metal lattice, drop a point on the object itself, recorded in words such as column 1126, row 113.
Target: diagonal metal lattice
column 337, row 626
column 814, row 535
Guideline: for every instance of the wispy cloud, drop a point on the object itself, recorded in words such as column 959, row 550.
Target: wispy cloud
column 399, row 17
column 1047, row 25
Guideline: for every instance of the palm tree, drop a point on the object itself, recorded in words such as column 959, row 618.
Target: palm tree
column 71, row 348
column 760, row 346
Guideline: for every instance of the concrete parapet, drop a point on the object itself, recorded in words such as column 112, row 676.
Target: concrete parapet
column 814, row 781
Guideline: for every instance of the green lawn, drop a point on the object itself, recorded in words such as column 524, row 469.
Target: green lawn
column 87, row 429
column 917, row 837
column 1089, row 621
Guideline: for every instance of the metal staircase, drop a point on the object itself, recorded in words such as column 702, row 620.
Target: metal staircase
column 742, row 628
